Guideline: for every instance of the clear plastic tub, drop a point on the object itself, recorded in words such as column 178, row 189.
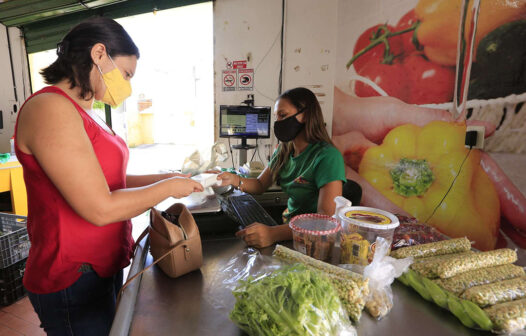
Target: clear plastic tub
column 360, row 228
column 315, row 235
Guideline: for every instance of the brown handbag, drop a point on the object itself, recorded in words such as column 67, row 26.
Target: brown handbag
column 165, row 233
column 175, row 243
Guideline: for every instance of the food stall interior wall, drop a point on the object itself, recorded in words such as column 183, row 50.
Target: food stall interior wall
column 251, row 30
column 18, row 61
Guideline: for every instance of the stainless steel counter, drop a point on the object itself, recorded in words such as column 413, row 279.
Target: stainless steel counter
column 166, row 306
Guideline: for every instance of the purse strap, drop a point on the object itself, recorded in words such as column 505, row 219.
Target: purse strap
column 143, row 234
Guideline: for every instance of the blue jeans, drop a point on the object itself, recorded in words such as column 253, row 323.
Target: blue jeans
column 85, row 308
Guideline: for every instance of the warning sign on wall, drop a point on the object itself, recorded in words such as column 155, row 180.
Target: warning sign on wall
column 245, row 79
column 229, row 80
column 239, row 64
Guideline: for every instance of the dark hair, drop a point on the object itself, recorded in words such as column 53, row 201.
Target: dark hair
column 304, row 100
column 74, row 52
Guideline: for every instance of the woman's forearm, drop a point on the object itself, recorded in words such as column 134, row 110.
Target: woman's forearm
column 134, row 181
column 281, row 232
column 250, row 185
column 127, row 203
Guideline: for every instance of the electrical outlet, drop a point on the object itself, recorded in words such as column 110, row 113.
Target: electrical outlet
column 480, row 135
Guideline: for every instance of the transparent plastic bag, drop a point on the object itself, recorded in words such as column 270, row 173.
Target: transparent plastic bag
column 200, row 161
column 381, row 273
column 266, row 297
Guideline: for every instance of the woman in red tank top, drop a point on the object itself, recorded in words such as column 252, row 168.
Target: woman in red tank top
column 80, row 199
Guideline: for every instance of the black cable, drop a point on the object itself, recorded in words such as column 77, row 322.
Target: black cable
column 231, row 154
column 253, row 154
column 259, row 154
column 450, row 187
column 255, row 149
column 280, row 83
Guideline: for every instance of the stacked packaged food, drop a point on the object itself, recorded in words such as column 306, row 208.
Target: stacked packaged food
column 482, row 289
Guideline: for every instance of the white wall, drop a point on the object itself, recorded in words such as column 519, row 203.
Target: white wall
column 250, row 30
column 247, row 30
column 310, row 49
column 7, row 95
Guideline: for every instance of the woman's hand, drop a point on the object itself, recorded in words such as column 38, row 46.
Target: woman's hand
column 229, row 178
column 257, row 235
column 183, row 187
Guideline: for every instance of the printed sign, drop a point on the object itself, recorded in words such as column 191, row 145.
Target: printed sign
column 245, row 79
column 229, row 80
column 239, row 64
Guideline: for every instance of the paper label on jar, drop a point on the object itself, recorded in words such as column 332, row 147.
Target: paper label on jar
column 368, row 217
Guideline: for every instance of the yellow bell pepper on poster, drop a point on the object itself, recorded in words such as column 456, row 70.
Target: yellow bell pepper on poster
column 438, row 30
column 415, row 167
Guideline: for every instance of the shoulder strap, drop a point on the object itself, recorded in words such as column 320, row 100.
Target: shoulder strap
column 143, row 234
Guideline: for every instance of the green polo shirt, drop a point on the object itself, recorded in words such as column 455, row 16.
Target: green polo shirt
column 303, row 176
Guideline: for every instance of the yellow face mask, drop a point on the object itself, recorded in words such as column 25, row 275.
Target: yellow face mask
column 117, row 88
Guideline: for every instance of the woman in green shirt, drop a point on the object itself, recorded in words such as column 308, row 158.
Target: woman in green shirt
column 306, row 165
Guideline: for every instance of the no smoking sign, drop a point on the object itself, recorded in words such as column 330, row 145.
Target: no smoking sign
column 229, row 80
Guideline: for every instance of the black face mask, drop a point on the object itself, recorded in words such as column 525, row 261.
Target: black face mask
column 288, row 128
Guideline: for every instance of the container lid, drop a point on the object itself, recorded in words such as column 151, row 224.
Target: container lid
column 315, row 224
column 369, row 217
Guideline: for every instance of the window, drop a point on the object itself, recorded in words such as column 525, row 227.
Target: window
column 171, row 110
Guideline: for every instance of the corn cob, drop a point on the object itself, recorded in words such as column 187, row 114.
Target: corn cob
column 352, row 288
column 433, row 249
column 427, row 267
column 497, row 292
column 349, row 294
column 508, row 316
column 464, row 263
column 459, row 283
column 287, row 254
column 439, row 257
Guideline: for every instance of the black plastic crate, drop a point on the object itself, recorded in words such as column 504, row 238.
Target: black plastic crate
column 11, row 286
column 14, row 240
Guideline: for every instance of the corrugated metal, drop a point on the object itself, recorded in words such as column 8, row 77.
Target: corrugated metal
column 45, row 34
column 21, row 12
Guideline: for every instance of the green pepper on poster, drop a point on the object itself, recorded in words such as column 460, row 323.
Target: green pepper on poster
column 499, row 69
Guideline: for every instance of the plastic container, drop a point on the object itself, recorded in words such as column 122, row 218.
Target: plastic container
column 360, row 228
column 315, row 235
column 11, row 287
column 14, row 240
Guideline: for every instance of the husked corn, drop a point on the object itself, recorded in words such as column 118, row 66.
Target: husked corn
column 464, row 263
column 440, row 257
column 350, row 295
column 497, row 292
column 459, row 283
column 352, row 288
column 287, row 254
column 509, row 316
column 433, row 249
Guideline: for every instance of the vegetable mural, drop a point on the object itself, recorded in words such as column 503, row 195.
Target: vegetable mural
column 414, row 171
column 415, row 60
column 412, row 160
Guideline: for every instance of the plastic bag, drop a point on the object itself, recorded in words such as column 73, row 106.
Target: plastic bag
column 266, row 297
column 381, row 273
column 200, row 161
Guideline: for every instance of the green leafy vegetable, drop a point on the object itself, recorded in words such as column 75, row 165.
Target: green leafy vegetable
column 293, row 300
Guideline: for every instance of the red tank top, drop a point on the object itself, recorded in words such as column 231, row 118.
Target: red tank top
column 61, row 240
